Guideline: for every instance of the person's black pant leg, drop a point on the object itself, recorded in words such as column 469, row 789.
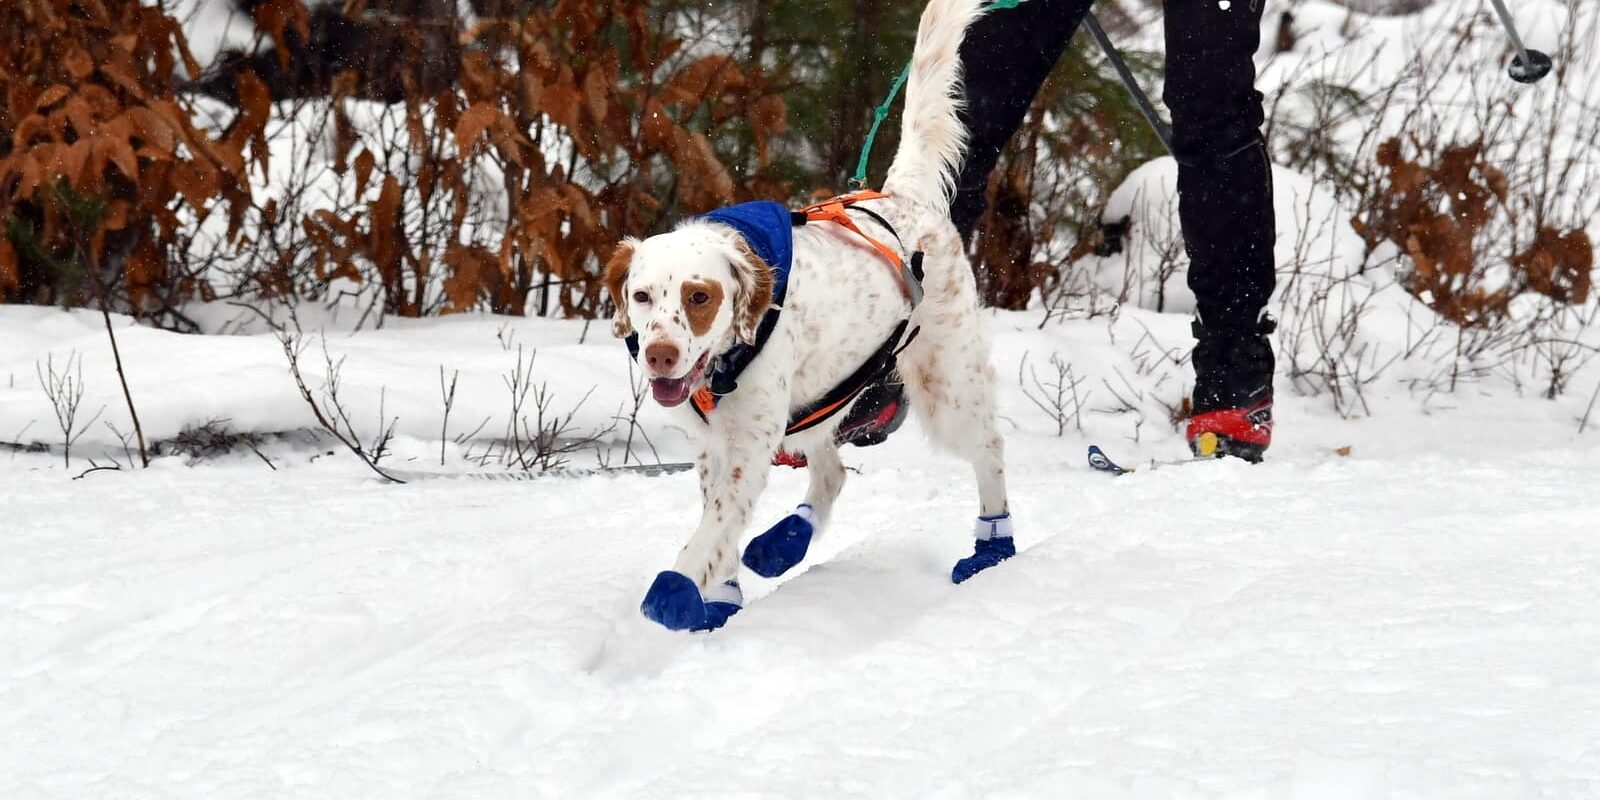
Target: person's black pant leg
column 1224, row 180
column 1005, row 57
column 1224, row 191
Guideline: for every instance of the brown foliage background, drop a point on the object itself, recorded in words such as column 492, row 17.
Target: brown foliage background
column 564, row 126
column 584, row 76
column 1437, row 212
column 98, row 153
column 411, row 159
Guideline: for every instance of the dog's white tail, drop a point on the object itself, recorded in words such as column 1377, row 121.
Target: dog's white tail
column 932, row 139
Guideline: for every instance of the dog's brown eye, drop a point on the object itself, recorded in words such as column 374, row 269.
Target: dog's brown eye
column 699, row 298
column 641, row 296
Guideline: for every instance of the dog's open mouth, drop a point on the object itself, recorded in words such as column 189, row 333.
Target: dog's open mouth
column 671, row 392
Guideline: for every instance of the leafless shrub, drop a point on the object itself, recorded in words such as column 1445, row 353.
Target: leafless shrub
column 330, row 412
column 1324, row 308
column 1550, row 346
column 123, row 438
column 84, row 220
column 447, row 395
column 506, row 335
column 212, row 439
column 94, row 466
column 1128, row 399
column 1477, row 191
column 1076, row 293
column 65, row 391
column 537, row 437
column 629, row 416
column 1323, row 343
column 1057, row 396
column 1170, row 258
column 1583, row 424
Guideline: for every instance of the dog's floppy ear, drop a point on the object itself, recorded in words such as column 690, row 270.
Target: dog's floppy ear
column 754, row 280
column 616, row 280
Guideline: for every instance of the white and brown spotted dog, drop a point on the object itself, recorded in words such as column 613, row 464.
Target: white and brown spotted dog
column 690, row 295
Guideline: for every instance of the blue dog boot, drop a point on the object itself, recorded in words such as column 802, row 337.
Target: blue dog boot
column 674, row 602
column 994, row 545
column 722, row 601
column 783, row 545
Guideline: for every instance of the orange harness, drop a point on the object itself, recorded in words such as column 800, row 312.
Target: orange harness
column 837, row 212
column 881, row 363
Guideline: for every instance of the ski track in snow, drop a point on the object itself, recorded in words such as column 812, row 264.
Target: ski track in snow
column 1343, row 627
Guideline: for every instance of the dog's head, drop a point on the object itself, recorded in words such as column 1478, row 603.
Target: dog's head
column 690, row 294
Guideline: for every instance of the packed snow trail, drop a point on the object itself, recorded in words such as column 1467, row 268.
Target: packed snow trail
column 1382, row 627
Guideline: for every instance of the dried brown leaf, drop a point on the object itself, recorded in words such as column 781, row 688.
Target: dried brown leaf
column 474, row 121
column 595, row 92
column 10, row 268
column 365, row 163
column 120, row 152
column 152, row 129
column 124, row 77
column 701, row 80
column 78, row 63
column 277, row 18
column 51, row 96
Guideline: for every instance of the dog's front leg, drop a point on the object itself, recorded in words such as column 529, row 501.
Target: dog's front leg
column 733, row 473
column 702, row 589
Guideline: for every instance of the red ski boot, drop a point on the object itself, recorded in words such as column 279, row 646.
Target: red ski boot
column 1233, row 392
column 1242, row 432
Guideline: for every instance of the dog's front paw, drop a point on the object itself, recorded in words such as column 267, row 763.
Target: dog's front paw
column 985, row 554
column 994, row 546
column 674, row 602
column 783, row 545
column 722, row 601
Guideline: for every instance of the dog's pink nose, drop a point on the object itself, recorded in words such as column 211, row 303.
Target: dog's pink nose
column 662, row 358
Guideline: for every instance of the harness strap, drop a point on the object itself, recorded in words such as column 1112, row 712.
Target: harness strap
column 880, row 364
column 878, row 218
column 836, row 211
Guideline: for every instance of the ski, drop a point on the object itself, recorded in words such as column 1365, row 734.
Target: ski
column 647, row 470
column 1100, row 462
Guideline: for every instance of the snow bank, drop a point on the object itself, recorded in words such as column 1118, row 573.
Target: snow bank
column 243, row 382
column 1314, row 237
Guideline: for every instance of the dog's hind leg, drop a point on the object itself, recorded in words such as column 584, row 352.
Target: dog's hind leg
column 951, row 392
column 827, row 479
column 784, row 545
column 951, row 383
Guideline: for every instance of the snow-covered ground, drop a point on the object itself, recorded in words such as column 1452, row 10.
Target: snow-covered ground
column 1401, row 603
column 1415, row 619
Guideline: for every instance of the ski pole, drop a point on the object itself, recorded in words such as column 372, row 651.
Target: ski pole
column 1149, row 111
column 1527, row 66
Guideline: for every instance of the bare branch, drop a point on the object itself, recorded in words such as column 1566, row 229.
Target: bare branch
column 339, row 425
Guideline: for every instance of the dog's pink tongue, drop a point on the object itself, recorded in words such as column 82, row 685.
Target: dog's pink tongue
column 670, row 391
